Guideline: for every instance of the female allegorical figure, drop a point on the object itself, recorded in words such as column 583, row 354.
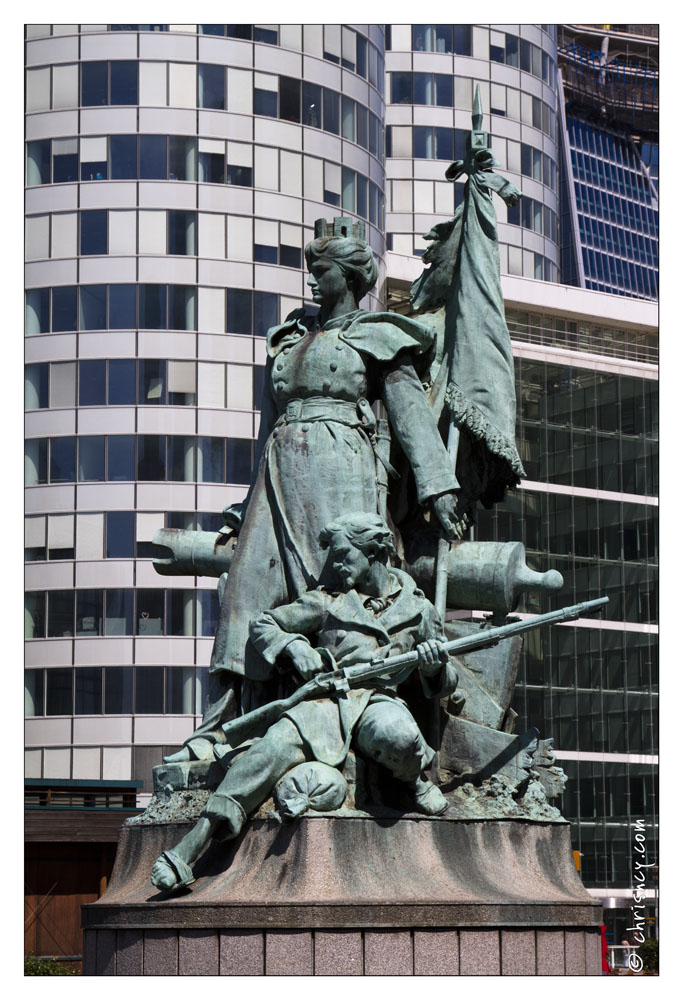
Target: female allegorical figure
column 315, row 458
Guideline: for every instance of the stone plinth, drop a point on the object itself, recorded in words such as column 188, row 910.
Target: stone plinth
column 353, row 895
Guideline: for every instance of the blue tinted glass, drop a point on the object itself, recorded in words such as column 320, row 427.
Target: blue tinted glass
column 496, row 53
column 123, row 157
column 265, row 103
column 239, row 31
column 151, row 382
column 211, row 460
column 211, row 29
column 38, row 162
column 64, row 308
column 444, row 143
column 401, row 88
column 151, row 457
column 93, row 232
column 93, row 305
column 182, row 311
column 265, row 35
column 62, row 460
column 443, row 90
column 59, row 682
column 152, row 307
column 239, row 311
column 124, row 82
column 238, row 464
column 120, row 531
column 422, row 88
column 312, row 105
column 94, row 89
column 65, row 168
column 265, row 311
column 88, row 699
column 330, row 111
column 423, row 142
column 362, row 126
column 212, row 168
column 153, row 157
column 211, row 80
column 122, row 307
column 118, row 681
column 91, row 459
column 122, row 382
column 362, row 196
column 92, row 383
column 37, row 381
column 264, row 254
column 94, row 171
column 37, row 310
column 462, row 39
column 512, row 50
column 361, row 55
column 121, row 458
column 242, row 176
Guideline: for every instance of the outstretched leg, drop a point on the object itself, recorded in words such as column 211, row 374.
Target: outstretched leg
column 247, row 784
column 388, row 733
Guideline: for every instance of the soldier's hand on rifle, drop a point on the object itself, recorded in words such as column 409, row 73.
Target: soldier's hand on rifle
column 306, row 659
column 431, row 656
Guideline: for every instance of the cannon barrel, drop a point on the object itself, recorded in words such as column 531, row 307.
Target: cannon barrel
column 193, row 553
column 482, row 576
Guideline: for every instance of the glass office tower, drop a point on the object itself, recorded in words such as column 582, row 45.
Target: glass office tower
column 610, row 164
column 173, row 174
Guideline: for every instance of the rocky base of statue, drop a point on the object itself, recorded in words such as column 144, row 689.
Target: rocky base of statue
column 351, row 895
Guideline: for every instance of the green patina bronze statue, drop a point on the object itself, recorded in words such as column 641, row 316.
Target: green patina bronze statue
column 363, row 610
column 316, row 456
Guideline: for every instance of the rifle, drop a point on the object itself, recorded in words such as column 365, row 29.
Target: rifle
column 256, row 722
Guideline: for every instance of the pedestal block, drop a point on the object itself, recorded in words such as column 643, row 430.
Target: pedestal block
column 352, row 895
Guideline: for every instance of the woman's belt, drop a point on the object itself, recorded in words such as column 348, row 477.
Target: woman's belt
column 341, row 411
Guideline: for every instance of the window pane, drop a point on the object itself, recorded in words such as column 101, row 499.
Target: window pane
column 37, row 310
column 91, row 459
column 152, row 382
column 208, row 611
column 290, row 99
column 182, row 158
column 180, row 688
column 312, row 105
column 35, row 462
column 93, row 305
column 122, row 312
column 211, row 460
column 265, row 312
column 124, row 82
column 153, row 157
column 118, row 690
column 123, row 157
column 181, row 458
column 150, row 612
column 36, row 381
column 182, row 307
column 93, row 232
column 152, row 307
column 120, row 534
column 119, row 613
column 238, row 464
column 33, row 692
column 151, row 457
column 149, row 690
column 88, row 691
column 38, row 162
column 239, row 311
column 64, row 309
column 89, row 608
column 62, row 460
column 121, row 379
column 60, row 613
column 401, row 88
column 34, row 615
column 265, row 102
column 121, row 458
column 181, row 232
column 330, row 111
column 92, row 383
column 212, row 168
column 59, row 693
column 94, row 83
column 211, row 80
column 242, row 176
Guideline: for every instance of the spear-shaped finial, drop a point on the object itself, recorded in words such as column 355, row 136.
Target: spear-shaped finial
column 478, row 139
column 477, row 113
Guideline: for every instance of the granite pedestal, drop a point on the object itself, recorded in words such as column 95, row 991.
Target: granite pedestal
column 351, row 895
